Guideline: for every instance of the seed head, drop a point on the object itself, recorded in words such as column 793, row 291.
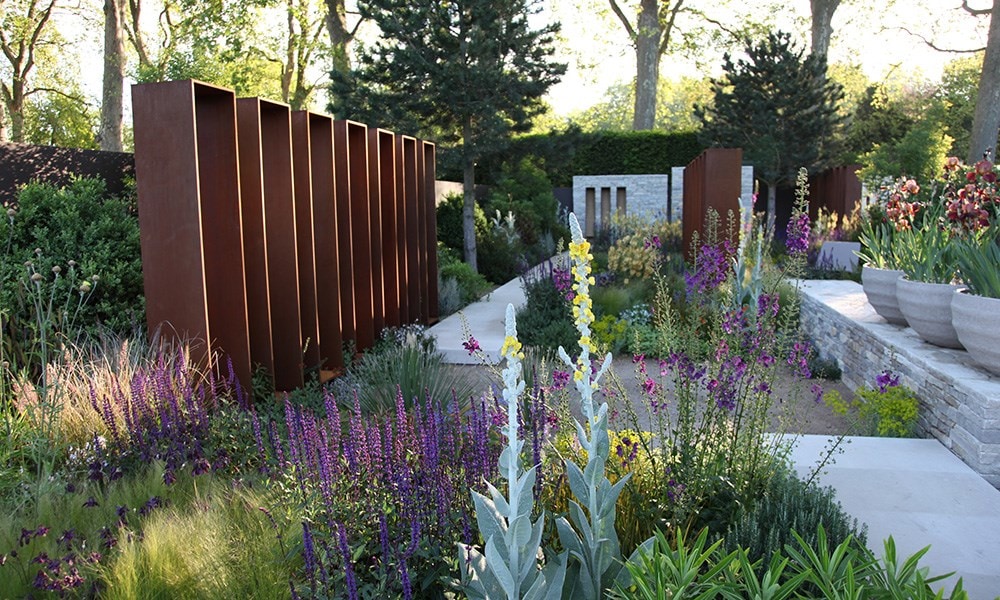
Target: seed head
column 85, row 287
column 38, row 251
column 11, row 212
column 96, row 278
column 57, row 269
column 72, row 263
column 37, row 277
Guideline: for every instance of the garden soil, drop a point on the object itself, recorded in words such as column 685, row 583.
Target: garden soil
column 794, row 410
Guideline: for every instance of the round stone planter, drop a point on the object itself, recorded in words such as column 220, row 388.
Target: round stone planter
column 927, row 308
column 976, row 320
column 880, row 287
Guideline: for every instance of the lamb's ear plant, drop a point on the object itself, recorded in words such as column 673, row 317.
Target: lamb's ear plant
column 589, row 534
column 508, row 565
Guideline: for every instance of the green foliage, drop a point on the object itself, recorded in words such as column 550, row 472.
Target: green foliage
column 802, row 569
column 563, row 154
column 404, row 361
column 501, row 258
column 545, row 320
column 61, row 120
column 449, row 222
column 469, row 284
column 223, row 546
column 525, row 190
column 926, row 252
column 675, row 99
column 80, row 223
column 979, row 264
column 778, row 105
column 611, row 333
column 955, row 101
column 681, row 571
column 918, row 154
column 878, row 119
column 789, row 504
column 891, row 412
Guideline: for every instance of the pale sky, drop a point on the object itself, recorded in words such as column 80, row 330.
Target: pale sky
column 871, row 40
column 599, row 54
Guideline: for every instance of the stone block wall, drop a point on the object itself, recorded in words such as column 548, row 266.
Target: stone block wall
column 646, row 196
column 959, row 403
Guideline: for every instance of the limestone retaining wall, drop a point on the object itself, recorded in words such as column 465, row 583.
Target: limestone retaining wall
column 959, row 403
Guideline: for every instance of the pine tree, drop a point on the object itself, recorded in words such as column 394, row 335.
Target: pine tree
column 778, row 105
column 468, row 71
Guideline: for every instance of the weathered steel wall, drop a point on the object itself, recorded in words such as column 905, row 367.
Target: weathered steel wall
column 273, row 237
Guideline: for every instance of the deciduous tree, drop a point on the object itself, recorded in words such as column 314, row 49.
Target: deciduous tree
column 986, row 120
column 25, row 28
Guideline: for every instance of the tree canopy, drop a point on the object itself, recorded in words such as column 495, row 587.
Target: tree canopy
column 469, row 71
column 779, row 106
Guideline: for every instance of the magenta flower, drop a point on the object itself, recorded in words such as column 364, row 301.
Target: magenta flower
column 471, row 345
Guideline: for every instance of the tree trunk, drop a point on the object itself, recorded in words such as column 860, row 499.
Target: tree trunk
column 469, row 195
column 340, row 37
column 822, row 24
column 647, row 76
column 986, row 121
column 109, row 136
column 16, row 110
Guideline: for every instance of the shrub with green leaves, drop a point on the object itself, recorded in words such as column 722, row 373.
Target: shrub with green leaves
column 449, row 222
column 790, row 504
column 545, row 318
column 82, row 223
column 888, row 410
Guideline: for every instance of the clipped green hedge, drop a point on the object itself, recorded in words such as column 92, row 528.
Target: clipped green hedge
column 563, row 154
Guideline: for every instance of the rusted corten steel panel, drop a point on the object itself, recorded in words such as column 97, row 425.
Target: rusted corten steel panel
column 361, row 260
column 387, row 168
column 275, row 131
column 430, row 226
column 837, row 190
column 421, row 211
column 342, row 210
column 302, row 169
column 412, row 236
column 711, row 181
column 399, row 201
column 375, row 226
column 254, row 238
column 324, row 227
column 189, row 216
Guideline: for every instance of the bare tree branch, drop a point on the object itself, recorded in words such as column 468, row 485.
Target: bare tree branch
column 621, row 16
column 78, row 99
column 933, row 46
column 669, row 27
column 977, row 12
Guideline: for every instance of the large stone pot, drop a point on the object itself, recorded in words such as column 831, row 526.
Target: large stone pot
column 880, row 287
column 976, row 320
column 927, row 308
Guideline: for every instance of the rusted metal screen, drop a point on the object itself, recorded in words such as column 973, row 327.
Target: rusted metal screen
column 711, row 181
column 271, row 238
column 836, row 190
